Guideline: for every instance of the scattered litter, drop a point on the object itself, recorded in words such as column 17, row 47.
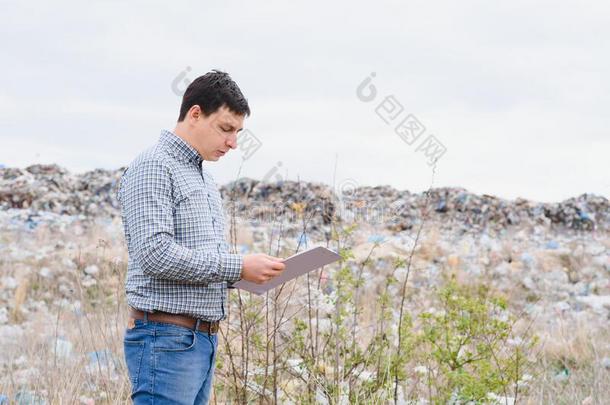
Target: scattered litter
column 554, row 253
column 63, row 347
column 92, row 270
column 102, row 359
column 562, row 375
column 552, row 245
column 376, row 238
column 28, row 398
column 84, row 400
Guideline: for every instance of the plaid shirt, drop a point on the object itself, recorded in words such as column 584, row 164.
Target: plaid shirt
column 179, row 260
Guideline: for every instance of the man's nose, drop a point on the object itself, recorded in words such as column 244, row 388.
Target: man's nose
column 232, row 141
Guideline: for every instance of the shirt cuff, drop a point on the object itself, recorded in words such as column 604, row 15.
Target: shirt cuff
column 230, row 267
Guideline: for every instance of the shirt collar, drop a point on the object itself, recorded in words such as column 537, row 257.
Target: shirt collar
column 179, row 148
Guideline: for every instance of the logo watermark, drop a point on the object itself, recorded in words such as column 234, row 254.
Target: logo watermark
column 181, row 82
column 274, row 175
column 248, row 143
column 405, row 125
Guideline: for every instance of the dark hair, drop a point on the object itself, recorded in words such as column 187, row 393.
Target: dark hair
column 210, row 92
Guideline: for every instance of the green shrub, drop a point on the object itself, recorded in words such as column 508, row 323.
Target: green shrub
column 470, row 347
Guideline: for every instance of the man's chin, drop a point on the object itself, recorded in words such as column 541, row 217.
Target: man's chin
column 212, row 157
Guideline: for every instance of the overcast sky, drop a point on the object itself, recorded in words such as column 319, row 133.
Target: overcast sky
column 516, row 94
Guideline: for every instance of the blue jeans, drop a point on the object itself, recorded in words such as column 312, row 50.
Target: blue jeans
column 169, row 364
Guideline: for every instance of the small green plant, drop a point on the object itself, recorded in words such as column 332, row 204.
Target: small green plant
column 470, row 346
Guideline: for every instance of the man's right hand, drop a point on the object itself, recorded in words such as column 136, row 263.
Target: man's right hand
column 260, row 268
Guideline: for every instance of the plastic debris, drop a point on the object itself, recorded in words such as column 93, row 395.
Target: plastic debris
column 552, row 245
column 562, row 375
column 376, row 238
column 28, row 398
column 102, row 359
column 63, row 347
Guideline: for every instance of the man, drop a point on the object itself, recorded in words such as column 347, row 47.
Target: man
column 179, row 261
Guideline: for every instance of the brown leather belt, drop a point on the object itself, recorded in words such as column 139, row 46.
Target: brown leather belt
column 175, row 319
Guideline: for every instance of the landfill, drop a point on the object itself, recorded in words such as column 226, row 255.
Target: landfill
column 62, row 253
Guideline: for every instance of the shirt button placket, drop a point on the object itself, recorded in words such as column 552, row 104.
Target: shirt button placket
column 218, row 247
column 211, row 214
column 201, row 172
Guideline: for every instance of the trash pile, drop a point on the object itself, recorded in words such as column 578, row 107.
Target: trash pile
column 52, row 189
column 401, row 210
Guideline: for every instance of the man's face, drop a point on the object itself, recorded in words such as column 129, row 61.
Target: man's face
column 215, row 134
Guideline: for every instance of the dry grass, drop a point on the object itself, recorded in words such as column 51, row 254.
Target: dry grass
column 571, row 369
column 93, row 319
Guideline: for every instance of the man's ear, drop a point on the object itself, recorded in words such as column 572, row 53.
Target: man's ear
column 194, row 113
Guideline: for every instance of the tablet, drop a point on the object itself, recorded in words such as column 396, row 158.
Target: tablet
column 296, row 265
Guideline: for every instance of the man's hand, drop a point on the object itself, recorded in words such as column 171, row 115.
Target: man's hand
column 260, row 268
